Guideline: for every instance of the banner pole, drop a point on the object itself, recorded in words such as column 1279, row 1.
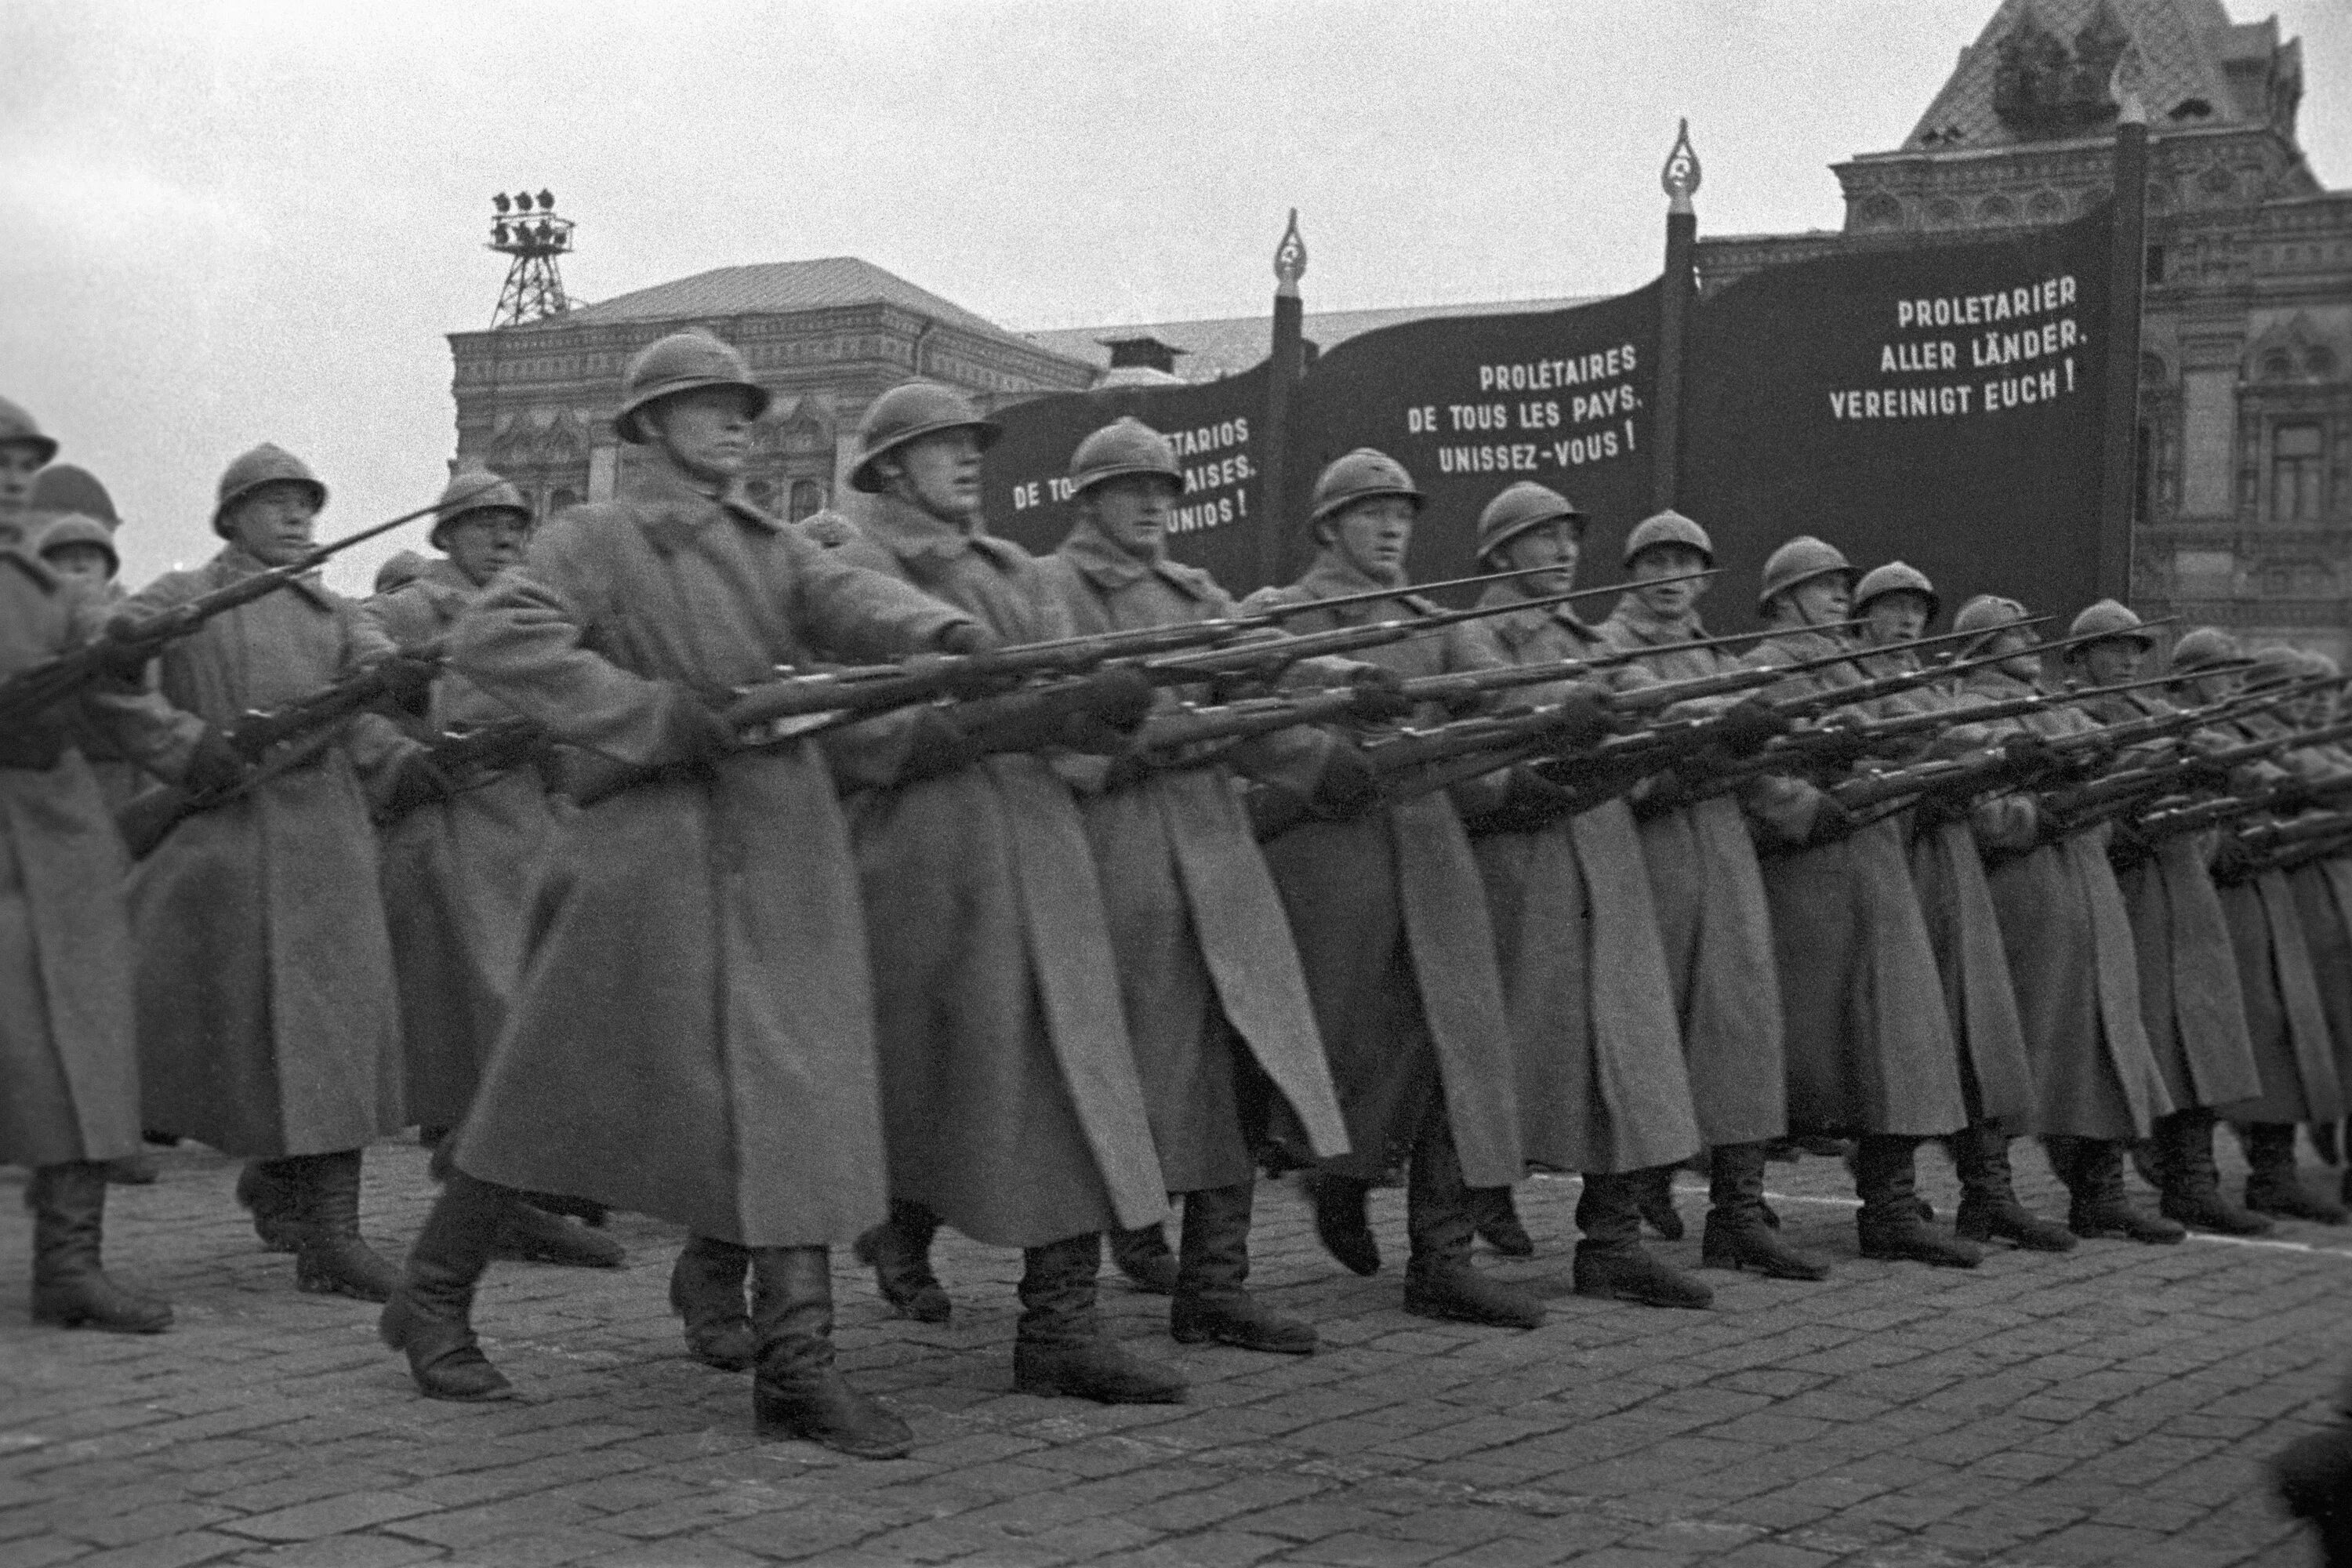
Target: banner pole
column 1285, row 369
column 1675, row 288
column 2126, row 278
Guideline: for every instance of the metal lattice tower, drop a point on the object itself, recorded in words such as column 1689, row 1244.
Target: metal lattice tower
column 526, row 228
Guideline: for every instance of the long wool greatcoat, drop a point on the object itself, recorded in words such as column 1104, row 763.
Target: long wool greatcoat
column 2070, row 954
column 68, row 1052
column 1389, row 916
column 1204, row 956
column 2190, row 999
column 2323, row 898
column 457, row 878
column 1714, row 929
column 1011, row 1096
column 1602, row 1085
column 267, row 1021
column 693, row 1034
column 1869, row 1046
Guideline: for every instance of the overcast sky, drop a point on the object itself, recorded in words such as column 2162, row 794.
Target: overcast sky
column 229, row 222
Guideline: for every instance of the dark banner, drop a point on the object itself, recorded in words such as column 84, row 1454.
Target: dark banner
column 1213, row 426
column 1939, row 405
column 1470, row 405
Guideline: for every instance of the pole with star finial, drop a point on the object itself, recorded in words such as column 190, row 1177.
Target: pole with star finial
column 1285, row 371
column 1676, row 288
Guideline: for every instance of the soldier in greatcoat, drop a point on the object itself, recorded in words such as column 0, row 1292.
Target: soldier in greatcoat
column 1389, row 916
column 1871, row 1052
column 80, row 549
column 2322, row 889
column 460, row 865
column 2189, row 1000
column 1215, row 1005
column 1011, row 1098
column 2071, row 957
column 1715, row 926
column 1949, row 844
column 25, row 451
column 1602, row 1086
column 269, row 1027
column 692, row 1037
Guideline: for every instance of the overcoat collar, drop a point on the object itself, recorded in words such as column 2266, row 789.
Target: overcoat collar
column 1518, row 628
column 923, row 540
column 1654, row 630
column 1110, row 568
column 672, row 508
column 1332, row 577
column 235, row 561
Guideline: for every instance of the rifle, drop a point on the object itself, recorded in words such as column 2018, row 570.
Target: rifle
column 477, row 756
column 2090, row 804
column 128, row 642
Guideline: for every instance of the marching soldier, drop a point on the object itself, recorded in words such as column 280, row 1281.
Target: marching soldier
column 1603, row 1088
column 2069, row 942
column 2190, row 1003
column 692, row 1037
column 267, row 1021
column 2323, row 888
column 1714, row 924
column 24, row 452
column 1215, row 1006
column 81, row 550
column 1390, row 923
column 1870, row 1048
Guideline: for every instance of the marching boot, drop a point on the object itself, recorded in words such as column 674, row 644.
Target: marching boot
column 532, row 1235
column 1211, row 1303
column 1853, row 1160
column 1886, row 1175
column 2148, row 1157
column 2093, row 1170
column 799, row 1392
column 706, row 1288
column 265, row 1190
column 430, row 1315
column 334, row 1260
column 1439, row 1280
column 1740, row 1232
column 1497, row 1223
column 2325, row 1143
column 587, row 1211
column 1143, row 1257
column 899, row 1252
column 2271, row 1184
column 1340, row 1221
column 1653, row 1192
column 1989, row 1206
column 2192, row 1182
column 138, row 1170
column 1610, row 1261
column 70, row 1287
column 1059, row 1346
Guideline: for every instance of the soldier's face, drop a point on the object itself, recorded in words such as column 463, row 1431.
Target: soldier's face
column 1899, row 616
column 85, row 563
column 1552, row 547
column 2020, row 657
column 275, row 523
column 2207, row 689
column 2109, row 662
column 1132, row 512
column 485, row 544
column 706, row 432
column 1668, row 601
column 20, row 462
column 940, row 474
column 1822, row 600
column 1372, row 537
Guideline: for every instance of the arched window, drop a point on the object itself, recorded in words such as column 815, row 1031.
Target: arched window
column 1996, row 209
column 1880, row 211
column 808, row 498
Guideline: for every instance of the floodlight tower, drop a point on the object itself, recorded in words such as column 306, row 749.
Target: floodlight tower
column 526, row 228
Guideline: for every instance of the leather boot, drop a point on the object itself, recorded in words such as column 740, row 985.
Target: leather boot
column 1210, row 1302
column 1653, row 1192
column 138, row 1170
column 1143, row 1257
column 1341, row 1223
column 1851, row 1157
column 430, row 1315
column 1740, row 1231
column 1496, row 1220
column 532, row 1235
column 1610, row 1261
column 2325, row 1141
column 587, row 1211
column 2271, row 1184
column 1886, row 1175
column 1440, row 1281
column 274, row 1199
column 2192, row 1182
column 799, row 1392
column 1989, row 1206
column 334, row 1260
column 2093, row 1170
column 1059, row 1346
column 70, row 1287
column 899, row 1252
column 706, row 1289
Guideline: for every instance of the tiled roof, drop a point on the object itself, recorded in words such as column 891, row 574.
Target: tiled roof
column 775, row 288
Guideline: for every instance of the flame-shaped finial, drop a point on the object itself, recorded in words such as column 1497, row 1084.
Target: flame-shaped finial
column 1680, row 175
column 2123, row 85
column 1290, row 259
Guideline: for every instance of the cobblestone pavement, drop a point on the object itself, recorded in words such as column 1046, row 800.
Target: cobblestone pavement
column 2109, row 1407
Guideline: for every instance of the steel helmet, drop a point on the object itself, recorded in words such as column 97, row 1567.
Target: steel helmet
column 1800, row 559
column 2109, row 621
column 265, row 465
column 2204, row 646
column 682, row 362
column 2275, row 665
column 473, row 490
column 1896, row 577
column 1363, row 475
column 64, row 488
column 1125, row 446
column 17, row 428
column 2319, row 665
column 77, row 527
column 402, row 567
column 1668, row 527
column 1987, row 613
column 1524, row 506
column 909, row 411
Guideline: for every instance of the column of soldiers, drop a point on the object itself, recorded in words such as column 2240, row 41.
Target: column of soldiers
column 823, row 884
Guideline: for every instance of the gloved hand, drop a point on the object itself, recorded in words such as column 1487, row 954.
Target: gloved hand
column 1530, row 803
column 2232, row 862
column 1837, row 746
column 2029, row 756
column 1380, row 696
column 1347, row 787
column 968, row 638
column 1581, row 724
column 408, row 677
column 691, row 732
column 936, row 745
column 1112, row 705
column 125, row 662
column 415, row 781
column 1465, row 705
column 213, row 766
column 1831, row 821
column 1749, row 725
